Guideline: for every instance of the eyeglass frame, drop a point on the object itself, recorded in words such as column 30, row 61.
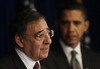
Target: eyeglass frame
column 40, row 37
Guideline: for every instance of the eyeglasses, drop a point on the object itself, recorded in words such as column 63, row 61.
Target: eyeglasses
column 42, row 34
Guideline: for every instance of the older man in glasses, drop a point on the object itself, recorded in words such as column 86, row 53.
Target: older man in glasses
column 31, row 38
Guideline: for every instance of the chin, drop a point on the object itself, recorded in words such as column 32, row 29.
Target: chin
column 45, row 56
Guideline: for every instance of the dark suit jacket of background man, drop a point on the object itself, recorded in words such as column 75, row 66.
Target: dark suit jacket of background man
column 57, row 59
column 12, row 61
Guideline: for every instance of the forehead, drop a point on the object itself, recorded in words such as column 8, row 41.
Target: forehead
column 36, row 26
column 75, row 14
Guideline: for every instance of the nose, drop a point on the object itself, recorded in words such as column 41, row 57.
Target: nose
column 47, row 39
column 71, row 27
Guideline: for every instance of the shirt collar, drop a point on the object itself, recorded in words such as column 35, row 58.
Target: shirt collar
column 29, row 63
column 67, row 49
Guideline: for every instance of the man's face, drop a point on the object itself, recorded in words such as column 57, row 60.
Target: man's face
column 36, row 41
column 72, row 26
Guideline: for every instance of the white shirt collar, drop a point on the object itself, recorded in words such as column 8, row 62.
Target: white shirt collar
column 29, row 63
column 68, row 49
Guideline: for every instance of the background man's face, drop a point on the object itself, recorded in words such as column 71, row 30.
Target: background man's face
column 72, row 27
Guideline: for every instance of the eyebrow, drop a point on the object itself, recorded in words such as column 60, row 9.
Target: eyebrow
column 42, row 30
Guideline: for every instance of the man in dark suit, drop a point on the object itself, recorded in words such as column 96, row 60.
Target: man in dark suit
column 72, row 23
column 31, row 38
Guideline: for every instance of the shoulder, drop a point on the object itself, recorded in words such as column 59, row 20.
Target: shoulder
column 90, row 53
column 43, row 67
column 6, row 61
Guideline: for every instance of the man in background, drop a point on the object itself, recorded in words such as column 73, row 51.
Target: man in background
column 69, row 52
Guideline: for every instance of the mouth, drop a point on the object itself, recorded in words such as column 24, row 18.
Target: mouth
column 45, row 49
column 71, row 36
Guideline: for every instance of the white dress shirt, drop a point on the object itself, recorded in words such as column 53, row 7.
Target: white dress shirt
column 29, row 63
column 67, row 50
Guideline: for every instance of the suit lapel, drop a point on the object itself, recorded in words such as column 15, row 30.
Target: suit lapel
column 85, row 58
column 62, row 63
column 17, row 61
column 42, row 67
column 61, row 59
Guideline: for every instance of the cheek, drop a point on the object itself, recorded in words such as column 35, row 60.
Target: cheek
column 43, row 50
column 39, row 52
column 63, row 31
column 30, row 46
column 81, row 31
column 37, row 47
column 35, row 50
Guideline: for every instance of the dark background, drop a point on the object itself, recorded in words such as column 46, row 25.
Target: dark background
column 9, row 8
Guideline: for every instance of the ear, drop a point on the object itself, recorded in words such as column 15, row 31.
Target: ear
column 86, row 25
column 19, row 40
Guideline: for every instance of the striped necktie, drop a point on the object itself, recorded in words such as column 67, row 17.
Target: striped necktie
column 74, row 63
column 36, row 66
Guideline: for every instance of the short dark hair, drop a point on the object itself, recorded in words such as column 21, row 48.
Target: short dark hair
column 71, row 6
column 19, row 24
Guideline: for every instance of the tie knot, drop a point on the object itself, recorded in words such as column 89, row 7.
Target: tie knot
column 74, row 62
column 36, row 66
column 73, row 53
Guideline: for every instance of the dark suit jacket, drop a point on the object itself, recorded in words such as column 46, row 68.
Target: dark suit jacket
column 12, row 61
column 58, row 60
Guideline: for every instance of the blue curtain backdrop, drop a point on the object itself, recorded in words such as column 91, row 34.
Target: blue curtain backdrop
column 7, row 11
column 93, row 9
column 9, row 8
